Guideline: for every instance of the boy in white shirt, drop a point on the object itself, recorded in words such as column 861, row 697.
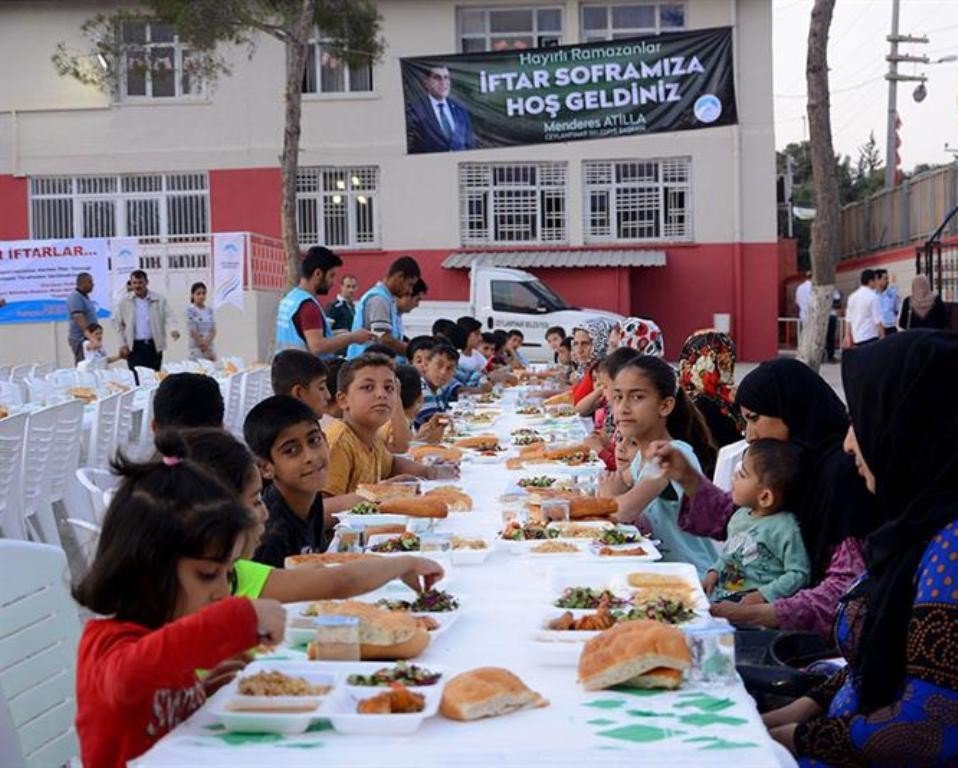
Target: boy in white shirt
column 94, row 353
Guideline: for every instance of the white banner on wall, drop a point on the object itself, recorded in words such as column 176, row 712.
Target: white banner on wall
column 37, row 276
column 229, row 256
column 124, row 258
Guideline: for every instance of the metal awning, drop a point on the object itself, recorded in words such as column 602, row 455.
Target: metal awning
column 556, row 259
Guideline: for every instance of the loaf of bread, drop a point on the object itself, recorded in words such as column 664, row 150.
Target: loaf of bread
column 478, row 442
column 420, row 506
column 378, row 492
column 562, row 399
column 631, row 650
column 420, row 452
column 587, row 506
column 323, row 558
column 487, row 692
column 382, row 634
column 452, row 497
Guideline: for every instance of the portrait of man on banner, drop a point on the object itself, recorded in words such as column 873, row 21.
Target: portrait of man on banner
column 435, row 122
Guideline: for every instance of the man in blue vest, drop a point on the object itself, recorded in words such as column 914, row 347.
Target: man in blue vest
column 300, row 320
column 377, row 310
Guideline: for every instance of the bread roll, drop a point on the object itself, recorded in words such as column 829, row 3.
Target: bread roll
column 536, row 450
column 586, row 506
column 378, row 492
column 487, row 692
column 421, row 506
column 478, row 442
column 452, row 497
column 629, row 650
column 516, row 462
column 641, row 579
column 324, row 558
column 420, row 452
column 377, row 625
column 568, row 452
column 409, row 649
column 660, row 677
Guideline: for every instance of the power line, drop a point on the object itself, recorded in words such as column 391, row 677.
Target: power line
column 844, row 89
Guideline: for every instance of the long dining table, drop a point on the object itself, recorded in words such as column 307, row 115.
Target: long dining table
column 503, row 602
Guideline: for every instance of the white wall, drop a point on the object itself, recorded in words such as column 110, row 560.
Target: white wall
column 60, row 126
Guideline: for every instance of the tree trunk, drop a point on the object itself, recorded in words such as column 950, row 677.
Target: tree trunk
column 826, row 226
column 296, row 49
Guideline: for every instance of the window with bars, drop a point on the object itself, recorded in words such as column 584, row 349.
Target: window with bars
column 515, row 203
column 328, row 73
column 637, row 200
column 153, row 207
column 507, row 28
column 338, row 206
column 155, row 64
column 611, row 21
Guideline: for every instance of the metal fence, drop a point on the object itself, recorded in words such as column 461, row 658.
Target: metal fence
column 907, row 214
column 174, row 266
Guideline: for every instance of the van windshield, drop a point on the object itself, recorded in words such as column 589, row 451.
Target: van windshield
column 529, row 297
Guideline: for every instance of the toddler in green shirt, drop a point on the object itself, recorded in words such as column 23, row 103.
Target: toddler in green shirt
column 764, row 557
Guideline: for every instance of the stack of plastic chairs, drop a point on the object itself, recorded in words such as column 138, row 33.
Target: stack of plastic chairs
column 102, row 441
column 38, row 647
column 233, row 418
column 34, row 497
column 13, row 433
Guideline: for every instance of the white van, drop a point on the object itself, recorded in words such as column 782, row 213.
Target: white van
column 507, row 298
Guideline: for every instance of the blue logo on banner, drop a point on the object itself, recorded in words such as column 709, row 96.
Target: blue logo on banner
column 708, row 108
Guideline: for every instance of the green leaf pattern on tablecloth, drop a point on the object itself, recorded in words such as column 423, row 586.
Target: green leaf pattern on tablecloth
column 672, row 713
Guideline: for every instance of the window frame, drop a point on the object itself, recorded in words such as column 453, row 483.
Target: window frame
column 667, row 233
column 469, row 191
column 314, row 56
column 610, row 31
column 488, row 34
column 180, row 51
column 317, row 235
column 166, row 193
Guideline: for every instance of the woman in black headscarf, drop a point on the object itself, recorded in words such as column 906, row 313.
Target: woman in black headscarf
column 896, row 703
column 784, row 399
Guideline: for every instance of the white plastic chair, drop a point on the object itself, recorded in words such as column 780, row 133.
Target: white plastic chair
column 146, row 421
column 65, row 451
column 5, row 372
column 728, row 457
column 102, row 441
column 254, row 386
column 43, row 369
column 38, row 649
column 124, row 421
column 98, row 486
column 233, row 419
column 38, row 390
column 10, row 393
column 34, row 498
column 19, row 372
column 146, row 376
column 122, row 376
column 13, row 433
column 63, row 377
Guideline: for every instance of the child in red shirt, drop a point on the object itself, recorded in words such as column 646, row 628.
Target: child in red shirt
column 161, row 579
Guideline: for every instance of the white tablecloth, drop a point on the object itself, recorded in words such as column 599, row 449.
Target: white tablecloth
column 503, row 599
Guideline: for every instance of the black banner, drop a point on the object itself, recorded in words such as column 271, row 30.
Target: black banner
column 676, row 81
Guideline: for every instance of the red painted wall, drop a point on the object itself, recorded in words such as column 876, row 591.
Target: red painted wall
column 14, row 212
column 246, row 200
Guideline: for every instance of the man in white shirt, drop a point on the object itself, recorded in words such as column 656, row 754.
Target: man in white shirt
column 143, row 321
column 803, row 295
column 863, row 316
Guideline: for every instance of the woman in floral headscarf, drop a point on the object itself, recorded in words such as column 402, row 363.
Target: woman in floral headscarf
column 644, row 335
column 707, row 374
column 590, row 343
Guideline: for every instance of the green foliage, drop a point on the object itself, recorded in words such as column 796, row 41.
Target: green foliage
column 350, row 28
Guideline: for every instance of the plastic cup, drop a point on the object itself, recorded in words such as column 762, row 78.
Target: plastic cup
column 337, row 638
column 713, row 653
column 555, row 509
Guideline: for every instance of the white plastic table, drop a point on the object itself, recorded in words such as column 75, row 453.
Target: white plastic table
column 502, row 601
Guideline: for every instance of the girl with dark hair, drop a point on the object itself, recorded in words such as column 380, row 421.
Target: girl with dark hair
column 650, row 407
column 200, row 325
column 784, row 399
column 896, row 703
column 162, row 580
column 227, row 458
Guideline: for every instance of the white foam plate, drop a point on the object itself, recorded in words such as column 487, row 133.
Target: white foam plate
column 272, row 722
column 620, row 581
column 341, row 711
column 555, row 654
column 652, row 553
column 580, row 552
column 595, row 525
column 470, row 556
column 354, row 521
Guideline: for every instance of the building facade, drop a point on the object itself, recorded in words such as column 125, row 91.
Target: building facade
column 169, row 157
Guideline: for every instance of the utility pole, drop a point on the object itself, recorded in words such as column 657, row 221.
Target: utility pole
column 893, row 78
column 789, row 182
